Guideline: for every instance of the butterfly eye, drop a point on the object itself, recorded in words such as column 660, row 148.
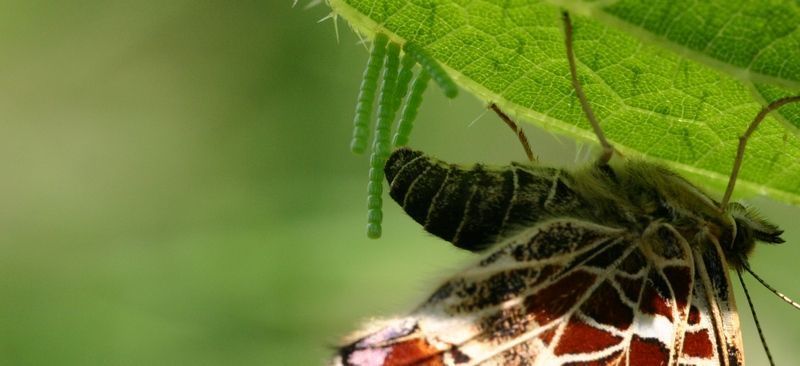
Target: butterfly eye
column 432, row 67
column 380, row 147
column 410, row 109
column 366, row 94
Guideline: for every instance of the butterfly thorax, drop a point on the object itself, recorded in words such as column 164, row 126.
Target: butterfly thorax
column 639, row 196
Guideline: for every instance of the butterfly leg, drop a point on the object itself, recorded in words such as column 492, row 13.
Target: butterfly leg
column 608, row 149
column 737, row 162
column 517, row 130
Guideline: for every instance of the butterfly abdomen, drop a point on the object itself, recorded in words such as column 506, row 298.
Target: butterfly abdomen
column 474, row 207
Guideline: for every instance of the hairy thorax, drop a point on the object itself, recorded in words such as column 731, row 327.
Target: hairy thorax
column 644, row 197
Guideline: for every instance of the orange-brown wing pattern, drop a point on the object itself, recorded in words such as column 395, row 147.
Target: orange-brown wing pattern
column 566, row 292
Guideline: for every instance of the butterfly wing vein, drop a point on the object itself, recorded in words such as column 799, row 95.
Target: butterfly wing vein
column 570, row 292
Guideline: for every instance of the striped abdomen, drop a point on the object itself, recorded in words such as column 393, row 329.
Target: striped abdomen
column 477, row 206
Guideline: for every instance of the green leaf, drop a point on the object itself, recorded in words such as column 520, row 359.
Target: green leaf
column 751, row 40
column 651, row 102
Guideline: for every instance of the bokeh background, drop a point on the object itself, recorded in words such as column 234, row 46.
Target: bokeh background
column 177, row 189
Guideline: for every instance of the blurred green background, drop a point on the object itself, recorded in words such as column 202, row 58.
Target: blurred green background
column 177, row 189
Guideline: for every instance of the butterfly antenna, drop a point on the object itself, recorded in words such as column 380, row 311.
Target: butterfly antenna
column 755, row 318
column 517, row 130
column 737, row 163
column 608, row 150
column 772, row 289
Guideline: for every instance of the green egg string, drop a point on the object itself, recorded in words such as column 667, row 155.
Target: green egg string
column 410, row 109
column 366, row 94
column 432, row 67
column 381, row 144
column 397, row 94
column 403, row 79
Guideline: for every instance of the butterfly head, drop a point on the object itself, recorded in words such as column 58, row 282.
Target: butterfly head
column 750, row 228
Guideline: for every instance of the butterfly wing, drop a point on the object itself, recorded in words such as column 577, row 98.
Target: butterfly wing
column 564, row 292
column 712, row 336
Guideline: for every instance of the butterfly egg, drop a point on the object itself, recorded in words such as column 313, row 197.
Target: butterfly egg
column 374, row 188
column 374, row 215
column 374, row 202
column 366, row 94
column 403, row 79
column 432, row 67
column 374, row 231
column 410, row 109
column 381, row 144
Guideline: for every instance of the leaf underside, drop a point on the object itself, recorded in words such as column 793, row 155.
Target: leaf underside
column 651, row 101
column 749, row 39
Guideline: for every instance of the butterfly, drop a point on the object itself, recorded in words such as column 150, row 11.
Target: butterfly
column 616, row 263
column 610, row 264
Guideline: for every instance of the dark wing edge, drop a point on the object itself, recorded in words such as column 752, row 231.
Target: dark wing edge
column 716, row 287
